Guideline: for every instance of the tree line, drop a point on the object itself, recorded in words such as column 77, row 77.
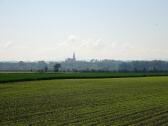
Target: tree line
column 87, row 66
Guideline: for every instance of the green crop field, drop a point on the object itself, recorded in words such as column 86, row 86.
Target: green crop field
column 16, row 77
column 85, row 102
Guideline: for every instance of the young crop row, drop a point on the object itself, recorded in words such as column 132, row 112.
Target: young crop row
column 138, row 101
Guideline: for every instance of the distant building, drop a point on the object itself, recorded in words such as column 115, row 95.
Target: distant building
column 73, row 59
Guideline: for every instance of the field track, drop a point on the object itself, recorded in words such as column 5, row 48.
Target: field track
column 117, row 101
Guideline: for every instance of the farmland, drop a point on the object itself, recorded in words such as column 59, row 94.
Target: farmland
column 17, row 77
column 110, row 101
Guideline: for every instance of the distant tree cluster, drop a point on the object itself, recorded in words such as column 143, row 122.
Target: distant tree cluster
column 116, row 66
column 40, row 66
column 144, row 66
column 57, row 67
column 87, row 66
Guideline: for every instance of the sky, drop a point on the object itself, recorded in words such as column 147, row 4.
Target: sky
column 32, row 30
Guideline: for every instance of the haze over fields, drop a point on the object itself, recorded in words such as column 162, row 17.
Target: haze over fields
column 99, row 29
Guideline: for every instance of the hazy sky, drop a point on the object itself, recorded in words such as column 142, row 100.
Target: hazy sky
column 99, row 29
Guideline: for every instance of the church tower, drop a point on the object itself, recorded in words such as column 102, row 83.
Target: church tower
column 74, row 58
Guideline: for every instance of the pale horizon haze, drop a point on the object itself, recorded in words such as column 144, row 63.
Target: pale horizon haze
column 32, row 30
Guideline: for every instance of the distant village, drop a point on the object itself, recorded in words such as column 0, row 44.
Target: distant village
column 94, row 65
